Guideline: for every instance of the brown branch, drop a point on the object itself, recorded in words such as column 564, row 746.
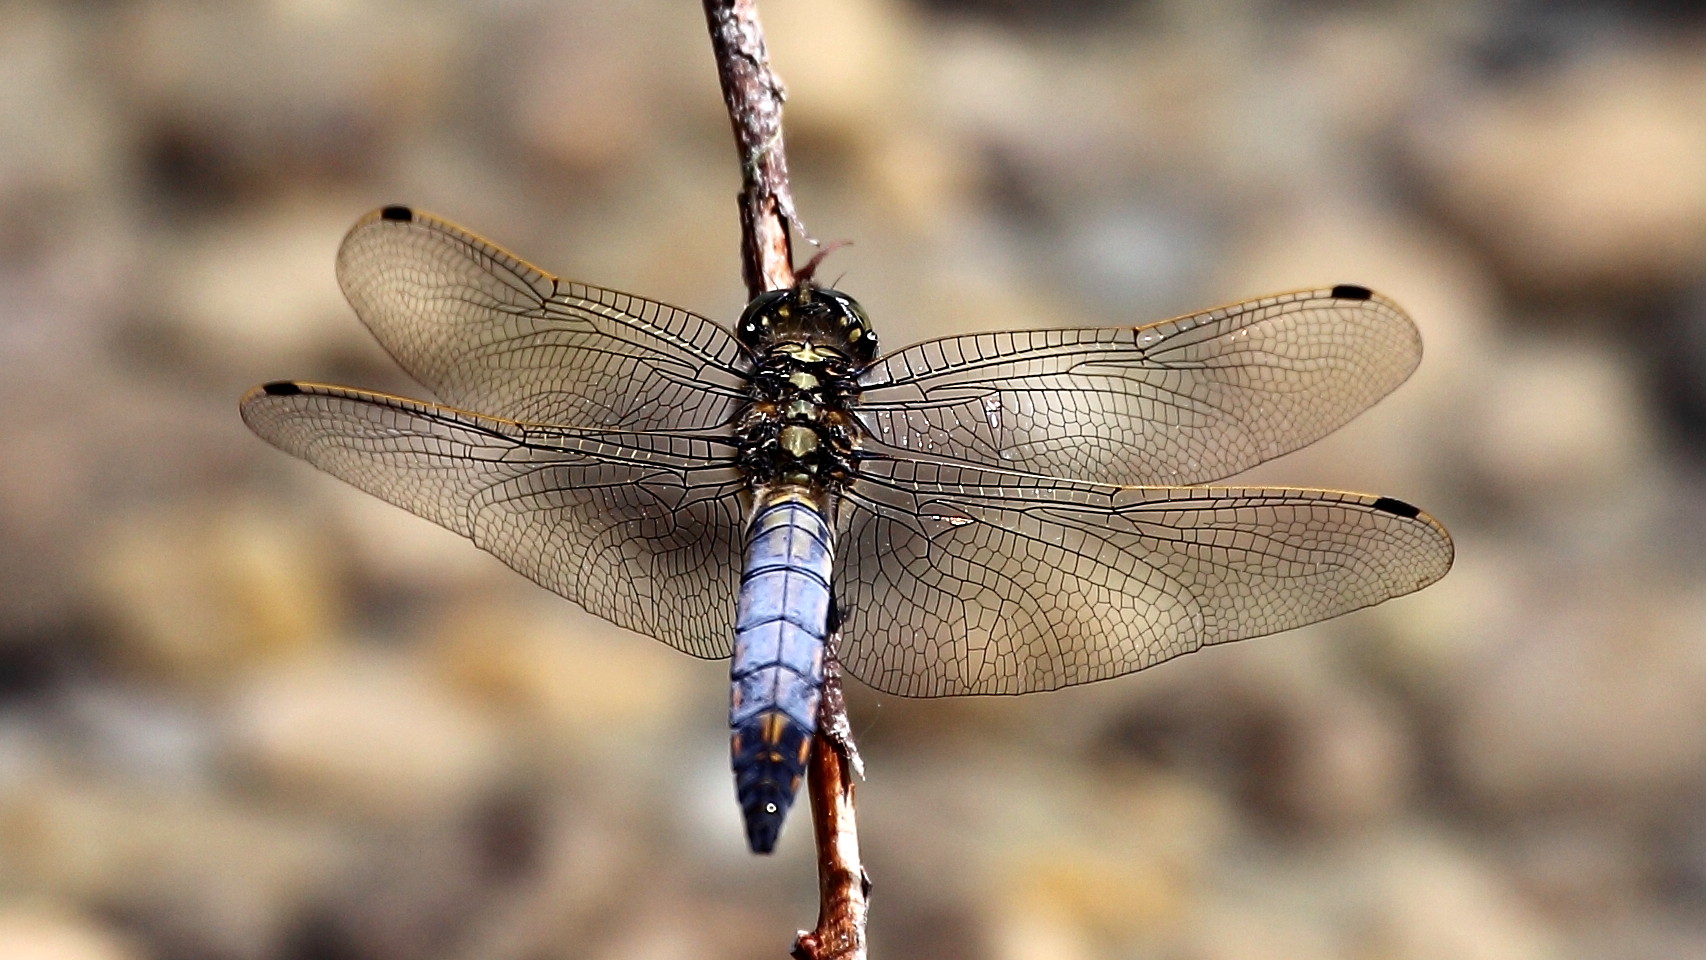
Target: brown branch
column 754, row 99
column 844, row 889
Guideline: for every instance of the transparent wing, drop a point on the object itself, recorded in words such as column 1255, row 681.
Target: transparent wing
column 1184, row 401
column 485, row 330
column 640, row 529
column 959, row 580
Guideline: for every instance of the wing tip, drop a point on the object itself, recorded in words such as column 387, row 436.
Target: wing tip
column 1396, row 507
column 275, row 388
column 390, row 213
column 1407, row 511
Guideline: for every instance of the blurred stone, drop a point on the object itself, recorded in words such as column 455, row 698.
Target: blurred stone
column 1402, row 895
column 138, row 735
column 1023, row 931
column 1122, row 872
column 561, row 675
column 198, row 595
column 368, row 736
column 1238, row 931
column 1590, row 869
column 1051, row 125
column 60, row 132
column 852, row 125
column 1360, row 74
column 844, row 66
column 1646, row 935
column 1590, row 177
column 1348, row 768
column 1560, row 423
column 1076, row 14
column 1675, row 354
column 574, row 93
column 1097, row 895
column 257, row 292
column 1597, row 700
column 918, row 179
column 1305, row 749
column 311, row 93
column 184, row 868
column 1425, row 897
column 30, row 931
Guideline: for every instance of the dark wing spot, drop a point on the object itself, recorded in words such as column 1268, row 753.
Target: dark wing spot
column 404, row 214
column 281, row 388
column 1350, row 291
column 1397, row 508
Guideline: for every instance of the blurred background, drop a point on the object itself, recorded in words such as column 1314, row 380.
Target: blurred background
column 247, row 713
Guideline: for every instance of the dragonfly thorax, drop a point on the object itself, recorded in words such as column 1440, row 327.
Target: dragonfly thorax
column 798, row 428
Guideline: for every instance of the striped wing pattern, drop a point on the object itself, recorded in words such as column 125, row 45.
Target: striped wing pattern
column 485, row 330
column 640, row 529
column 961, row 580
column 1185, row 401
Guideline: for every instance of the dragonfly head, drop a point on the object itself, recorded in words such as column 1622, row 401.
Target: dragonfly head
column 808, row 319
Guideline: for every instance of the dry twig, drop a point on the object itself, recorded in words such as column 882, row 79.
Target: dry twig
column 844, row 889
column 754, row 98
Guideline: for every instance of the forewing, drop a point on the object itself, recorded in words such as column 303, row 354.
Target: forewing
column 640, row 529
column 1184, row 401
column 958, row 580
column 485, row 330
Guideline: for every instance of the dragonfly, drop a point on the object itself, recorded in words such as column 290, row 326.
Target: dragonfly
column 996, row 513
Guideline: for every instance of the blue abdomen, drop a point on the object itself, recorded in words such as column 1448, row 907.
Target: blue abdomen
column 777, row 670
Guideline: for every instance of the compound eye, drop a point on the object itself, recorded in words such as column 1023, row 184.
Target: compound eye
column 856, row 310
column 755, row 319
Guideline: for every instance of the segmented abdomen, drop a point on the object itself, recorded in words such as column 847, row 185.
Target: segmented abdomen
column 777, row 669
